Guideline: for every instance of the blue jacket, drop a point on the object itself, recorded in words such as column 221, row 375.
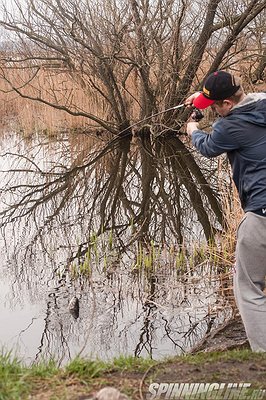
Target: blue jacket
column 242, row 135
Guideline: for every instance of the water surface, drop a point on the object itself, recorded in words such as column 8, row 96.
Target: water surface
column 124, row 309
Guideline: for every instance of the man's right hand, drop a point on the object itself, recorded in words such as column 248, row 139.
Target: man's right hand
column 189, row 101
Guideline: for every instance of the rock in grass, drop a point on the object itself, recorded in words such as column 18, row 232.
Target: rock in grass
column 110, row 393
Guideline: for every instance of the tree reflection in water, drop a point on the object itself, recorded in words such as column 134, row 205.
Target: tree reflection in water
column 108, row 227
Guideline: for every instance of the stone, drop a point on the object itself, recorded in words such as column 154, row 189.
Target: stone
column 110, row 393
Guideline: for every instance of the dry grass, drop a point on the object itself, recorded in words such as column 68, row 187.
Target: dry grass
column 57, row 88
column 31, row 116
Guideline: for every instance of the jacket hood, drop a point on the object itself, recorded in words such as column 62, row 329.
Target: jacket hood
column 252, row 109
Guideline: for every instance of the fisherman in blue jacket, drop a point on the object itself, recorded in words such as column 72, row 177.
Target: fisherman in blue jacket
column 240, row 131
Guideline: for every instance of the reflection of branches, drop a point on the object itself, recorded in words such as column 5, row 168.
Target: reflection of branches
column 146, row 338
column 54, row 331
column 64, row 182
column 119, row 188
column 45, row 335
column 207, row 321
column 168, row 331
column 30, row 324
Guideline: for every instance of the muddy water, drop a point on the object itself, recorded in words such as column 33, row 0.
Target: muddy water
column 123, row 310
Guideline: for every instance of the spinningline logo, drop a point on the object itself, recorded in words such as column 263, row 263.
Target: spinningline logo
column 200, row 391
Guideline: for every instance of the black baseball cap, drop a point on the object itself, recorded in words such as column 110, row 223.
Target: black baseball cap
column 219, row 85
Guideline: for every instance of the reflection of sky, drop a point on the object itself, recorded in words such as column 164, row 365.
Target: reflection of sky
column 114, row 319
column 20, row 326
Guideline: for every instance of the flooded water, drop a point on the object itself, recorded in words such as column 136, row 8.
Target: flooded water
column 125, row 308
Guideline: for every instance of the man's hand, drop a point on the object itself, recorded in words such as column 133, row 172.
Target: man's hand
column 192, row 126
column 189, row 101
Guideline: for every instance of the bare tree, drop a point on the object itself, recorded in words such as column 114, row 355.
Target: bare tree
column 133, row 59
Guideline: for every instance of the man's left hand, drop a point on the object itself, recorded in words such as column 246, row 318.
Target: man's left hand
column 192, row 126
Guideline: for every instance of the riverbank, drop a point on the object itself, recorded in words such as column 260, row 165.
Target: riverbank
column 81, row 379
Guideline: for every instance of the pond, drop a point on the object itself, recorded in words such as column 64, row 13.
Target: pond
column 136, row 302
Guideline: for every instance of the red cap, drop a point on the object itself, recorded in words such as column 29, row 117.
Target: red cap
column 219, row 85
column 202, row 102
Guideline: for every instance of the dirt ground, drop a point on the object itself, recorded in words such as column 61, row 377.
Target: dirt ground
column 136, row 385
column 216, row 359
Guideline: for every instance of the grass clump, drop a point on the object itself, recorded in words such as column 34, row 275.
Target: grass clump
column 81, row 376
column 130, row 363
column 236, row 355
column 18, row 380
column 13, row 383
column 44, row 370
column 86, row 369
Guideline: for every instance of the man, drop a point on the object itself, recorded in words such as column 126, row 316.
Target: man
column 241, row 133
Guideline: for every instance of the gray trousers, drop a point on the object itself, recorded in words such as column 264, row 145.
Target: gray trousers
column 249, row 278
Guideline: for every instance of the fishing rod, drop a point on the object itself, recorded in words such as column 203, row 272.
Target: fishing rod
column 196, row 116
